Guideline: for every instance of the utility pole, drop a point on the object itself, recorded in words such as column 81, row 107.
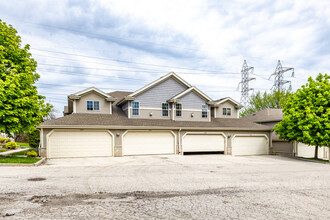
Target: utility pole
column 279, row 77
column 246, row 70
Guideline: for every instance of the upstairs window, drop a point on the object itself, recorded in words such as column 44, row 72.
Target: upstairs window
column 135, row 108
column 165, row 109
column 93, row 105
column 178, row 111
column 204, row 111
column 226, row 111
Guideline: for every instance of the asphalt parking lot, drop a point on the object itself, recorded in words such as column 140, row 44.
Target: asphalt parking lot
column 167, row 187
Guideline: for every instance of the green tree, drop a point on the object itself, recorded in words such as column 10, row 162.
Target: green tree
column 34, row 138
column 306, row 115
column 21, row 108
column 260, row 101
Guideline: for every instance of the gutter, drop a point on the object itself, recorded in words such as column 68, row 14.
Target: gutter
column 151, row 127
column 270, row 120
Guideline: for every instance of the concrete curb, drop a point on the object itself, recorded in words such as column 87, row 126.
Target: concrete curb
column 313, row 161
column 23, row 164
column 43, row 160
column 6, row 153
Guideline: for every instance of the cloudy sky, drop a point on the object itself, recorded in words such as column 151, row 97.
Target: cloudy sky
column 123, row 45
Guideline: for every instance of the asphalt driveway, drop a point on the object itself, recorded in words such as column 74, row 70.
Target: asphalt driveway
column 167, row 187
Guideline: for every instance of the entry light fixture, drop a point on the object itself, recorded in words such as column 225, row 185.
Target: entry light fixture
column 150, row 114
column 192, row 115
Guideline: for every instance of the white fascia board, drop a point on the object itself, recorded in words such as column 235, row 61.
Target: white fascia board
column 232, row 100
column 161, row 79
column 92, row 89
column 200, row 93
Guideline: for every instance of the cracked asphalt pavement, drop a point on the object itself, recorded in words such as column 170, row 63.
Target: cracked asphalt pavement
column 167, row 187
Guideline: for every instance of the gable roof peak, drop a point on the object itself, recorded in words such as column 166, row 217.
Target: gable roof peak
column 78, row 94
column 222, row 100
column 192, row 88
column 159, row 80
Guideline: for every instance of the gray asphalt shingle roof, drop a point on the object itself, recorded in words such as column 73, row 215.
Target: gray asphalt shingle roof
column 269, row 114
column 119, row 119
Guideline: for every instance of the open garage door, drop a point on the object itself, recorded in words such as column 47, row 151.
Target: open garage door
column 250, row 145
column 148, row 142
column 203, row 142
column 76, row 143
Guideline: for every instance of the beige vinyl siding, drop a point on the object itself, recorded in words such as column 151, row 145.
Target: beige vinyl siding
column 82, row 104
column 227, row 104
column 145, row 114
column 283, row 147
column 186, row 116
column 70, row 106
column 154, row 97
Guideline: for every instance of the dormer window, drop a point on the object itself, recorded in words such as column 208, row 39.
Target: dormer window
column 204, row 111
column 135, row 108
column 93, row 105
column 226, row 111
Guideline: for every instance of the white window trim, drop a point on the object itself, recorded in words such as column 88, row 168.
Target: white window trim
column 226, row 111
column 87, row 105
column 135, row 108
column 181, row 110
column 168, row 110
column 207, row 111
column 93, row 105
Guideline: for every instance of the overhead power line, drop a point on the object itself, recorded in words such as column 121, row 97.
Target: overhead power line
column 130, row 69
column 123, row 61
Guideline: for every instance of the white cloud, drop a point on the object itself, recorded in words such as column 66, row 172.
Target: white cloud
column 211, row 35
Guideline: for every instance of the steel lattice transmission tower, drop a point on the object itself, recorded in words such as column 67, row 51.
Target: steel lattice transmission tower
column 279, row 77
column 246, row 70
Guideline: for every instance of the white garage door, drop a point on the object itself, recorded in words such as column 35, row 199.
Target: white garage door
column 249, row 145
column 79, row 144
column 148, row 142
column 307, row 151
column 203, row 142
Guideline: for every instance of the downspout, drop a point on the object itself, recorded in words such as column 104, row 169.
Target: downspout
column 180, row 145
column 41, row 138
column 271, row 140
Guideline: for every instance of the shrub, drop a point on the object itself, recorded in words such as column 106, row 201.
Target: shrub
column 32, row 153
column 11, row 145
column 3, row 140
column 275, row 152
column 34, row 139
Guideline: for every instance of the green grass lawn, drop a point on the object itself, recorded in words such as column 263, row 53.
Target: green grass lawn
column 25, row 152
column 4, row 150
column 13, row 159
column 20, row 153
column 23, row 144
